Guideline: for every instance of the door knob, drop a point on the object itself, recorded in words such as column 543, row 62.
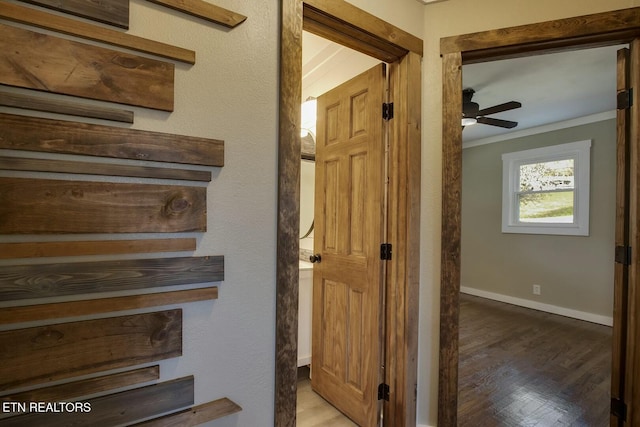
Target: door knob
column 315, row 258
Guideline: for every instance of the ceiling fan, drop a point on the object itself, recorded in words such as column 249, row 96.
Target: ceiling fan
column 471, row 112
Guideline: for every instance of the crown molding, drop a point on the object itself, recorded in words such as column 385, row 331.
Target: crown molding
column 593, row 118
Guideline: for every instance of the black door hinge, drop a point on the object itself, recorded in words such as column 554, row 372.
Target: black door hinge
column 625, row 99
column 618, row 408
column 385, row 251
column 623, row 255
column 383, row 392
column 387, row 110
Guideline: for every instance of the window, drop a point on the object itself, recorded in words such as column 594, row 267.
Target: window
column 546, row 190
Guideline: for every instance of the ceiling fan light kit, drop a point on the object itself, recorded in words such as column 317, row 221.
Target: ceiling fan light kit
column 471, row 112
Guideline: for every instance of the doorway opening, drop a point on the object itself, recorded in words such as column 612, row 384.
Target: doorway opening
column 354, row 28
column 326, row 67
column 538, row 366
column 569, row 34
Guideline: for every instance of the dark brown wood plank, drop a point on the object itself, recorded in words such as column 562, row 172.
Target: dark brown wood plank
column 631, row 374
column 47, row 280
column 204, row 10
column 52, row 64
column 113, row 12
column 37, row 103
column 121, row 408
column 58, row 310
column 86, row 387
column 81, row 348
column 622, row 226
column 347, row 17
column 94, row 247
column 451, row 237
column 288, row 226
column 77, row 28
column 86, row 168
column 40, row 206
column 355, row 38
column 195, row 416
column 56, row 136
column 403, row 233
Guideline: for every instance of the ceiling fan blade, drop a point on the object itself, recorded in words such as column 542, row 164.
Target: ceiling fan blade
column 511, row 105
column 497, row 122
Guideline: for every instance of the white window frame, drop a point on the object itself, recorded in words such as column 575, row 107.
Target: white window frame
column 580, row 152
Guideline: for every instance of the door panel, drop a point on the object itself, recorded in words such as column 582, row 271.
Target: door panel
column 349, row 226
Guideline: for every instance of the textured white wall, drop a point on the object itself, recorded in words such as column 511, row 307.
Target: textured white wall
column 230, row 93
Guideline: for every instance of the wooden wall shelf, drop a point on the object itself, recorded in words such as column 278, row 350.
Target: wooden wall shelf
column 69, row 391
column 40, row 206
column 48, row 21
column 30, row 313
column 205, row 10
column 72, row 108
column 36, row 61
column 195, row 416
column 80, row 348
column 113, row 12
column 104, row 169
column 119, row 408
column 94, row 247
column 34, row 134
column 49, row 280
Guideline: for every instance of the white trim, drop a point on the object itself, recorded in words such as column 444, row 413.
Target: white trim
column 580, row 152
column 607, row 115
column 548, row 308
column 423, row 425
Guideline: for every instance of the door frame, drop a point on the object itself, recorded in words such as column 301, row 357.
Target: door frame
column 350, row 26
column 608, row 28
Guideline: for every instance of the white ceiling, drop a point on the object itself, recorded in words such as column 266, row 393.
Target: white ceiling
column 552, row 88
column 325, row 65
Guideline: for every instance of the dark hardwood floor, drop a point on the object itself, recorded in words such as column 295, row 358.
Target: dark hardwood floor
column 522, row 367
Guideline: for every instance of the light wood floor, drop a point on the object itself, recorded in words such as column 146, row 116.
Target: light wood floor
column 521, row 367
column 312, row 410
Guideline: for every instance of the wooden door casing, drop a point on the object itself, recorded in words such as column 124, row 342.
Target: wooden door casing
column 606, row 28
column 630, row 372
column 349, row 226
column 381, row 39
column 621, row 270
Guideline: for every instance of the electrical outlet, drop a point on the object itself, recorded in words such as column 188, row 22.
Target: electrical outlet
column 536, row 289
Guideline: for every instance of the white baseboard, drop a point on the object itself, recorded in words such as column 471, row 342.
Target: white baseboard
column 423, row 425
column 554, row 309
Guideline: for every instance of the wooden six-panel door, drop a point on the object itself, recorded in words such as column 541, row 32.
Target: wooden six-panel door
column 349, row 219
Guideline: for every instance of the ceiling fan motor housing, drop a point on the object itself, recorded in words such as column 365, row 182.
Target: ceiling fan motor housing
column 469, row 108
